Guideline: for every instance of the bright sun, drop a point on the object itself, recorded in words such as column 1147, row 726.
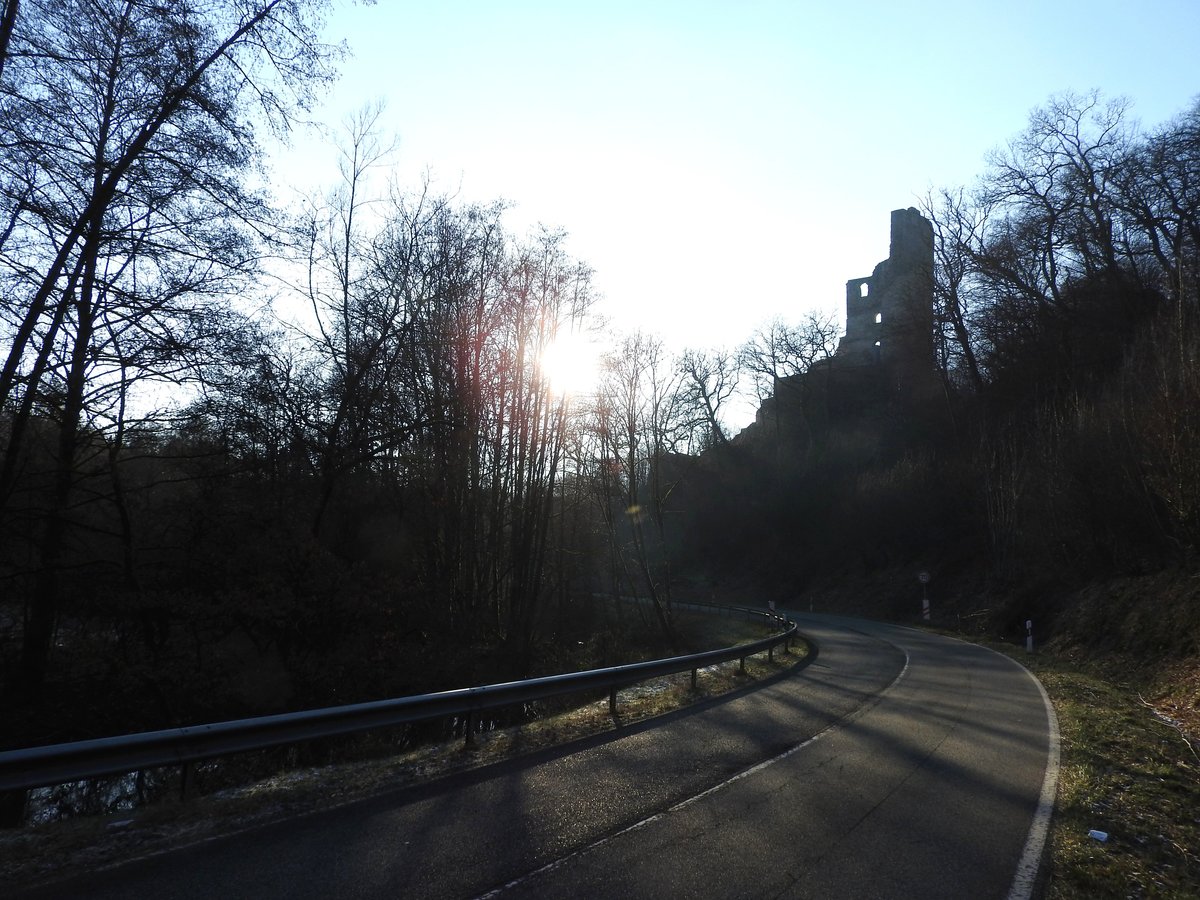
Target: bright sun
column 571, row 363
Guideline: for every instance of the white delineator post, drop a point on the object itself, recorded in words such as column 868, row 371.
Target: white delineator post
column 923, row 577
column 1029, row 635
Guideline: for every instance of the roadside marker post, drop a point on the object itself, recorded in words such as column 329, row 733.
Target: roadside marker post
column 923, row 577
column 1029, row 635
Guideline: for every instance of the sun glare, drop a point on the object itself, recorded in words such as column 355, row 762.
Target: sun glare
column 571, row 363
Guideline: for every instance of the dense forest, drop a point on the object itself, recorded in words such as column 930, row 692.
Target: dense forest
column 256, row 459
column 1060, row 453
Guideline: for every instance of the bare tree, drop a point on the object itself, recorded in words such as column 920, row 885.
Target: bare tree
column 957, row 231
column 8, row 21
column 779, row 350
column 776, row 357
column 1057, row 182
column 709, row 380
column 1160, row 193
column 641, row 422
column 128, row 132
column 1042, row 270
column 359, row 321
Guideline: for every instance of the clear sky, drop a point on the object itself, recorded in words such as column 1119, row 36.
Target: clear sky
column 720, row 163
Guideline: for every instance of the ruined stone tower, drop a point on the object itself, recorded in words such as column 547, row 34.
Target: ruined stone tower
column 884, row 362
column 889, row 316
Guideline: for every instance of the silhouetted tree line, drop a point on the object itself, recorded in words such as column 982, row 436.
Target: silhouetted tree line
column 1063, row 446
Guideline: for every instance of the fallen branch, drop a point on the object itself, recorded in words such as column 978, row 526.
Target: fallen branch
column 1174, row 724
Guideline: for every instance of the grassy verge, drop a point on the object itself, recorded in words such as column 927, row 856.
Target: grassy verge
column 1130, row 769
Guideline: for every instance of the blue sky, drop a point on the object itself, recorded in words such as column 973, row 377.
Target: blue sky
column 722, row 163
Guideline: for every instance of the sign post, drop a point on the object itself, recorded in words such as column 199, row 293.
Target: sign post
column 923, row 577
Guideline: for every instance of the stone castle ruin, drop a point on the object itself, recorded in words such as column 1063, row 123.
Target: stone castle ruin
column 889, row 316
column 886, row 357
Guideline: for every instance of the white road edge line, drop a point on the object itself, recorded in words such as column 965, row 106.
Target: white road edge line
column 1025, row 878
column 757, row 767
column 1031, row 857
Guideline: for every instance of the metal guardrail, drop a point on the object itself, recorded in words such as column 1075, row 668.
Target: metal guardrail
column 60, row 763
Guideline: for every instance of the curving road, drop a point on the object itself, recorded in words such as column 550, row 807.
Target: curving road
column 896, row 764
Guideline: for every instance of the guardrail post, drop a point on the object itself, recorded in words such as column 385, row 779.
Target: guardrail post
column 742, row 666
column 470, row 730
column 12, row 807
column 612, row 702
column 771, row 653
column 184, row 772
column 694, row 678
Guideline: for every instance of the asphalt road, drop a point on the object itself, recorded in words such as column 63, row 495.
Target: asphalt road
column 897, row 764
